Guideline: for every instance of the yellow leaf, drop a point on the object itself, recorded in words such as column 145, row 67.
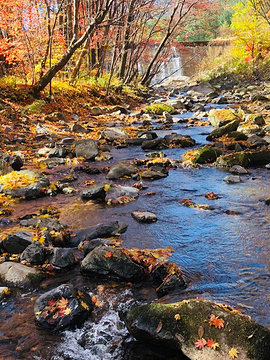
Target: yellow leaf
column 106, row 187
column 159, row 327
column 215, row 346
column 67, row 311
column 38, row 313
column 84, row 305
column 177, row 317
column 233, row 353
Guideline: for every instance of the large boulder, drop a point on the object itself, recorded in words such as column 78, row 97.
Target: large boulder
column 202, row 330
column 207, row 155
column 245, row 159
column 62, row 258
column 120, row 170
column 105, row 260
column 221, row 117
column 34, row 254
column 101, row 230
column 112, row 134
column 16, row 243
column 24, row 184
column 222, row 130
column 18, row 275
column 96, row 192
column 86, row 148
column 178, row 140
column 62, row 307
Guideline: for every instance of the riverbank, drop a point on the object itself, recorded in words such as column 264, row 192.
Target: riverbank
column 86, row 189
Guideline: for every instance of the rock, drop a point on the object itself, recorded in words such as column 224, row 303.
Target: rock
column 158, row 108
column 176, row 104
column 259, row 97
column 96, row 111
column 92, row 244
column 56, row 116
column 178, row 140
column 147, row 135
column 58, row 152
column 202, row 89
column 4, row 292
column 18, row 275
column 44, row 151
column 245, row 159
column 153, row 175
column 156, row 144
column 42, row 129
column 176, row 326
column 4, row 167
column 32, row 187
column 207, row 155
column 120, row 170
column 144, row 216
column 167, row 117
column 256, row 141
column 237, row 169
column 34, row 254
column 101, row 230
column 249, row 129
column 86, row 148
column 112, row 134
column 95, row 192
column 232, row 179
column 15, row 162
column 116, row 192
column 220, row 131
column 220, row 100
column 62, row 258
column 220, row 117
column 238, row 136
column 62, row 307
column 78, row 128
column 105, row 260
column 67, row 141
column 256, row 119
column 16, row 243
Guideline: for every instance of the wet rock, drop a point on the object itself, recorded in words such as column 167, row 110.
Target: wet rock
column 153, row 175
column 58, row 152
column 249, row 129
column 207, row 155
column 4, row 167
column 95, row 192
column 147, row 135
column 78, row 128
column 17, row 243
column 178, row 140
column 259, row 97
column 18, row 275
column 256, row 119
column 221, row 117
column 120, row 170
column 105, row 260
column 62, row 307
column 222, row 130
column 86, row 148
column 176, row 326
column 67, row 141
column 34, row 254
column 156, row 144
column 112, row 134
column 101, row 230
column 62, row 258
column 92, row 244
column 177, row 104
column 44, row 151
column 232, row 179
column 237, row 169
column 245, row 159
column 144, row 216
column 256, row 141
column 37, row 184
column 116, row 192
column 237, row 136
column 220, row 100
column 4, row 292
column 56, row 116
column 168, row 119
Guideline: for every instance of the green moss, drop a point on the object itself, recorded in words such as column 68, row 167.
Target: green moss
column 159, row 108
column 207, row 155
column 35, row 107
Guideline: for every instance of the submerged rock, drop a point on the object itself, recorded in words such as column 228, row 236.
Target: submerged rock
column 105, row 260
column 62, row 307
column 200, row 329
column 18, row 275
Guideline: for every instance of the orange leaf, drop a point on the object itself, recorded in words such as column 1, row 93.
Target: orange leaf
column 62, row 303
column 210, row 343
column 108, row 254
column 216, row 322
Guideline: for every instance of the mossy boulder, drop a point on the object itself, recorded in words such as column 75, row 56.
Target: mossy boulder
column 207, row 155
column 222, row 130
column 180, row 325
column 245, row 159
column 159, row 108
column 221, row 117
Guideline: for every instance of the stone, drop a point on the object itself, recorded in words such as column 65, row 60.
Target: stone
column 207, row 155
column 16, row 243
column 92, row 244
column 245, row 159
column 4, row 292
column 62, row 258
column 177, row 104
column 249, row 129
column 153, row 175
column 220, row 117
column 176, row 326
column 256, row 141
column 156, row 144
column 178, row 140
column 86, row 148
column 42, row 129
column 34, row 254
column 256, row 119
column 15, row 162
column 144, row 216
column 147, row 135
column 18, row 275
column 105, row 260
column 76, row 306
column 78, row 128
column 168, row 119
column 37, row 183
column 4, row 167
column 116, row 192
column 95, row 192
column 112, row 134
column 232, row 179
column 222, row 130
column 237, row 169
column 56, row 116
column 101, row 230
column 120, row 170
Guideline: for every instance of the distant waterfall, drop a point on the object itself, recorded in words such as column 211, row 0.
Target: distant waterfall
column 172, row 67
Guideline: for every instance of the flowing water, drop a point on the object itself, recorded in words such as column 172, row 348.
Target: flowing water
column 224, row 253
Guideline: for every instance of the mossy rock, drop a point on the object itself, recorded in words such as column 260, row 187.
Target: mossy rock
column 180, row 325
column 237, row 136
column 159, row 108
column 221, row 117
column 245, row 159
column 207, row 155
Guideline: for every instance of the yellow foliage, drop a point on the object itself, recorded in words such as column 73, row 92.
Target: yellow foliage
column 15, row 180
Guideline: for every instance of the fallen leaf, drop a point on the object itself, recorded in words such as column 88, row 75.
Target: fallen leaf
column 200, row 343
column 85, row 306
column 67, row 311
column 108, row 254
column 233, row 353
column 159, row 327
column 177, row 317
column 62, row 303
column 179, row 337
column 215, row 346
column 200, row 331
column 216, row 322
column 210, row 343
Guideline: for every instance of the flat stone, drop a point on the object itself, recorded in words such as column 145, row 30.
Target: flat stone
column 16, row 243
column 144, row 216
column 232, row 179
column 18, row 275
column 86, row 148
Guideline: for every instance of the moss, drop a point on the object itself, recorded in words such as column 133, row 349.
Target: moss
column 159, row 108
column 207, row 155
column 35, row 107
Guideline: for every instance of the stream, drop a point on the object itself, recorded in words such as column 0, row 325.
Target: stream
column 224, row 254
